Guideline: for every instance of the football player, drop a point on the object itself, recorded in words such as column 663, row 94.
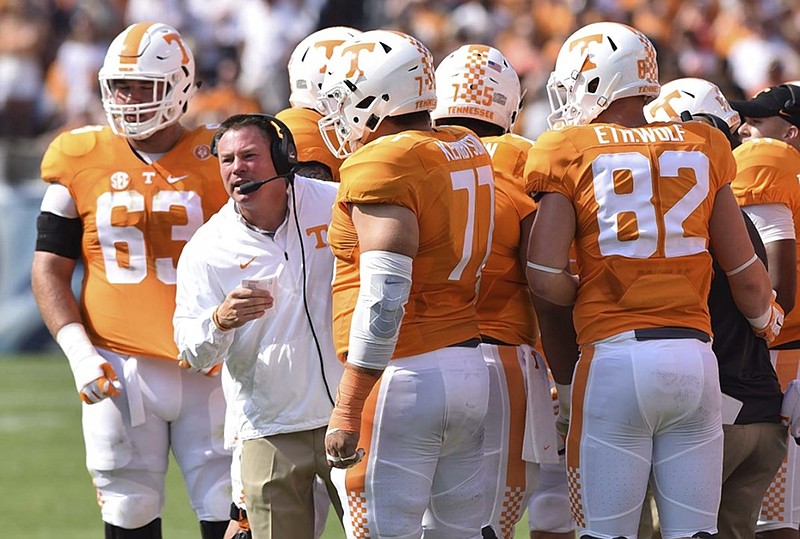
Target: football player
column 641, row 202
column 124, row 199
column 754, row 439
column 476, row 87
column 766, row 186
column 307, row 66
column 411, row 228
column 702, row 99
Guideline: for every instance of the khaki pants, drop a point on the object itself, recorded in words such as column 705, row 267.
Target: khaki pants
column 753, row 453
column 278, row 479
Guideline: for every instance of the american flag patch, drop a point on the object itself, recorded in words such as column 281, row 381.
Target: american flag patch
column 495, row 66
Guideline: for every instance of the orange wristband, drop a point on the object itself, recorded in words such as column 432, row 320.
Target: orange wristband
column 215, row 319
column 354, row 388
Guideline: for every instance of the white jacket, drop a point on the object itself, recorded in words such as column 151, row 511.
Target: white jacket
column 277, row 380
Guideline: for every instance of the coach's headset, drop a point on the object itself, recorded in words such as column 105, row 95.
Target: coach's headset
column 283, row 152
column 282, row 149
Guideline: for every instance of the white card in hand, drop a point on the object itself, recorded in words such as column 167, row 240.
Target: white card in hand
column 269, row 284
column 730, row 409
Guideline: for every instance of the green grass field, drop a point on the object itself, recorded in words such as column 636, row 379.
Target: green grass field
column 46, row 490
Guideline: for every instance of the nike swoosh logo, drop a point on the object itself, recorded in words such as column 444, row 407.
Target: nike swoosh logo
column 547, row 447
column 244, row 266
column 176, row 179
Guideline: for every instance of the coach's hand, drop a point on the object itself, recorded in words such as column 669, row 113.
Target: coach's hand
column 241, row 306
column 341, row 448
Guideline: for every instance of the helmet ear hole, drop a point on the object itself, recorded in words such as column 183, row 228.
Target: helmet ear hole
column 366, row 102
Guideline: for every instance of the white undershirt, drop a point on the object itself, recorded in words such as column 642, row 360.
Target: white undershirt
column 773, row 221
column 58, row 200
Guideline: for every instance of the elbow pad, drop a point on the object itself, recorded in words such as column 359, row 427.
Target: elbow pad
column 59, row 235
column 379, row 310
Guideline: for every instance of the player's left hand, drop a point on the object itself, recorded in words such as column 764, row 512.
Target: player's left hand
column 341, row 448
column 213, row 370
column 790, row 409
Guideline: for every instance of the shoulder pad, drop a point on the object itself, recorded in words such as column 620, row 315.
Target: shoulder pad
column 79, row 142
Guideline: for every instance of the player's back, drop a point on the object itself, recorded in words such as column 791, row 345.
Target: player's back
column 643, row 198
column 445, row 178
column 767, row 172
column 136, row 218
column 505, row 308
column 308, row 139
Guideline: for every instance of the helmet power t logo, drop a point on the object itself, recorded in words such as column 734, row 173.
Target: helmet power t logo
column 583, row 43
column 355, row 52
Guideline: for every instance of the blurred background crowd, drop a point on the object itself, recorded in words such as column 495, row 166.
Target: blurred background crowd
column 51, row 51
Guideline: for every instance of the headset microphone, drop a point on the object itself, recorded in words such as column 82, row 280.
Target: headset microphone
column 254, row 185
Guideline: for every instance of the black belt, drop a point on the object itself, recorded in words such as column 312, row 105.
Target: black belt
column 656, row 334
column 485, row 339
column 469, row 343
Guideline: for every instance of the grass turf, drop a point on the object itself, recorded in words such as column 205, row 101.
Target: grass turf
column 47, row 491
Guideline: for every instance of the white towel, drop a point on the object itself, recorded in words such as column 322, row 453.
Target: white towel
column 133, row 390
column 540, row 442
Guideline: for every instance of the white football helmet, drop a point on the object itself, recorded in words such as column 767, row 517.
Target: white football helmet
column 476, row 81
column 598, row 64
column 150, row 52
column 698, row 96
column 377, row 74
column 309, row 61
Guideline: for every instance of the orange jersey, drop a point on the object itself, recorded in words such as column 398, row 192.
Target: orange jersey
column 445, row 178
column 641, row 246
column 308, row 139
column 505, row 308
column 136, row 219
column 767, row 172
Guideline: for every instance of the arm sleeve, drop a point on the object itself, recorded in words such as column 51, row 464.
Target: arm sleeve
column 199, row 340
column 773, row 221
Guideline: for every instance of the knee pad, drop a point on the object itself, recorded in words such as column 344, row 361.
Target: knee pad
column 151, row 530
column 132, row 512
column 550, row 512
column 216, row 502
column 213, row 529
